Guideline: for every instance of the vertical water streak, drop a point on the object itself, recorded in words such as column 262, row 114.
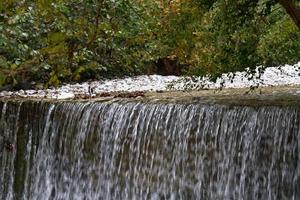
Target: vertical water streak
column 129, row 150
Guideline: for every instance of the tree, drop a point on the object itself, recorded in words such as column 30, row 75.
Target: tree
column 56, row 41
column 292, row 10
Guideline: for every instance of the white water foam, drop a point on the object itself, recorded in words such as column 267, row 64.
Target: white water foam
column 271, row 76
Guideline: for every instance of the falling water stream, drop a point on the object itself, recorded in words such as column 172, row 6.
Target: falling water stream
column 133, row 151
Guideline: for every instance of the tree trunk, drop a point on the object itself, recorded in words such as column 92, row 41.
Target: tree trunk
column 292, row 10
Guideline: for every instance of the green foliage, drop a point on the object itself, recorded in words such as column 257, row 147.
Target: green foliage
column 280, row 44
column 57, row 41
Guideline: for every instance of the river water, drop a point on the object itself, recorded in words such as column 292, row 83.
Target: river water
column 132, row 150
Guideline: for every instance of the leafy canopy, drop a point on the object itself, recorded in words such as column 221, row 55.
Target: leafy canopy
column 55, row 41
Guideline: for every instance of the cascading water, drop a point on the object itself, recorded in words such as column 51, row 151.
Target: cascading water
column 130, row 150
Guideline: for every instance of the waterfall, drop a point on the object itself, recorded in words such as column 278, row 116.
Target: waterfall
column 132, row 150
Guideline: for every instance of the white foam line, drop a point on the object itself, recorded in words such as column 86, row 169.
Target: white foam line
column 272, row 76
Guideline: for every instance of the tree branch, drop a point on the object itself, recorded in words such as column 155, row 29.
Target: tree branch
column 292, row 10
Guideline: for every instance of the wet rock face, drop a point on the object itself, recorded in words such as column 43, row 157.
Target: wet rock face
column 132, row 150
